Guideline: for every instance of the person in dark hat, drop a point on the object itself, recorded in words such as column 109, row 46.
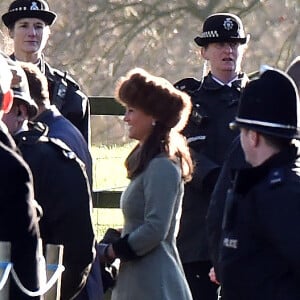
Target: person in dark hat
column 215, row 97
column 18, row 215
column 24, row 108
column 61, row 187
column 261, row 229
column 150, row 266
column 59, row 127
column 28, row 22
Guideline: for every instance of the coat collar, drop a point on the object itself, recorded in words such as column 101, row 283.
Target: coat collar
column 37, row 132
column 273, row 166
column 210, row 84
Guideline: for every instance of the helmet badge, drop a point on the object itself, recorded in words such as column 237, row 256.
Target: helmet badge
column 228, row 24
column 34, row 6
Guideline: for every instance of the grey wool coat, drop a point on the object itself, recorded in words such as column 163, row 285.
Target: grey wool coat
column 151, row 208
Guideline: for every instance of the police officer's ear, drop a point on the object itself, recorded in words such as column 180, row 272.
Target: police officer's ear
column 203, row 53
column 7, row 101
column 253, row 137
column 11, row 31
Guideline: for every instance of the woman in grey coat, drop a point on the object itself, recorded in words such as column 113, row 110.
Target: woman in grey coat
column 158, row 166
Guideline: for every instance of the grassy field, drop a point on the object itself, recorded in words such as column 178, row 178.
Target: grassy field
column 109, row 173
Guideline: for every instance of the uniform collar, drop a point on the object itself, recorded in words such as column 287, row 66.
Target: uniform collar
column 212, row 83
column 270, row 169
column 222, row 83
column 35, row 131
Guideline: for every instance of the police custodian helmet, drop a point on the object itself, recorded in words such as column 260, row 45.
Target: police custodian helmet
column 270, row 105
column 222, row 27
column 28, row 9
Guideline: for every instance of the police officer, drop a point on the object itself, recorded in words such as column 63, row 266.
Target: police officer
column 18, row 217
column 29, row 22
column 261, row 243
column 61, row 188
column 60, row 128
column 215, row 99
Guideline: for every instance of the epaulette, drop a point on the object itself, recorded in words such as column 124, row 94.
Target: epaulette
column 60, row 144
column 275, row 177
column 66, row 151
column 63, row 75
column 66, row 77
column 253, row 75
column 188, row 85
column 37, row 133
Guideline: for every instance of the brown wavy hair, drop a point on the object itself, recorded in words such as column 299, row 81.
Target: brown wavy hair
column 170, row 108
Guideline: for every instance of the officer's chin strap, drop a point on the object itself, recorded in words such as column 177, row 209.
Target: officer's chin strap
column 204, row 69
column 219, row 296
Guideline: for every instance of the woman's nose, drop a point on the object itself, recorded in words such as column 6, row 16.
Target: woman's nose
column 125, row 118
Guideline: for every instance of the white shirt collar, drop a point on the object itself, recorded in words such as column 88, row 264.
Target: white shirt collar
column 222, row 83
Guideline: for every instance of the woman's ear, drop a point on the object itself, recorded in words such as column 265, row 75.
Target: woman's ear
column 7, row 101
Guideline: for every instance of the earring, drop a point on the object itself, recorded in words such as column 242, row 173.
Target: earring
column 153, row 123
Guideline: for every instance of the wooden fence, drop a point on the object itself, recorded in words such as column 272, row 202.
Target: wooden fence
column 106, row 106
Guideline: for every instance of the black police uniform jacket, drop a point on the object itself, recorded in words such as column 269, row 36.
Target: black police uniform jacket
column 209, row 136
column 235, row 160
column 65, row 94
column 62, row 189
column 261, row 244
column 18, row 220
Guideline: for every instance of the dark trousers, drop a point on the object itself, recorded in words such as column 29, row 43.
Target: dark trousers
column 197, row 277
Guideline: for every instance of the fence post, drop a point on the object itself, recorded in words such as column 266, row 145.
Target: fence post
column 4, row 258
column 54, row 257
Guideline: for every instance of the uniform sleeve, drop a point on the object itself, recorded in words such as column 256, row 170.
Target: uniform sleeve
column 205, row 172
column 161, row 186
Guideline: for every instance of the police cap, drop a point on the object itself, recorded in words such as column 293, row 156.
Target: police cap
column 270, row 105
column 20, row 9
column 222, row 27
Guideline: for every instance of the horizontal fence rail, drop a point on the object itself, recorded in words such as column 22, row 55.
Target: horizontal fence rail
column 102, row 105
column 105, row 106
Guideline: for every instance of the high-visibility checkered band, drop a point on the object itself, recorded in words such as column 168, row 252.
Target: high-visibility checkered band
column 209, row 34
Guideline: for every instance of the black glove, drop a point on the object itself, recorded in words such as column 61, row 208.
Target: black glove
column 111, row 235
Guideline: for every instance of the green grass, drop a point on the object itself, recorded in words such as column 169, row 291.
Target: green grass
column 109, row 173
